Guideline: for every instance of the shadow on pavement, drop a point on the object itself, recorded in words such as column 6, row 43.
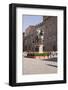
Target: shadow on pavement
column 52, row 59
column 52, row 65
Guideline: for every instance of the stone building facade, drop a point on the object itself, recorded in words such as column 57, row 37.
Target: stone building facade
column 50, row 33
column 43, row 34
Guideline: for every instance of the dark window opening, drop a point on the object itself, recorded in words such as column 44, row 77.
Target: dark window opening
column 37, row 49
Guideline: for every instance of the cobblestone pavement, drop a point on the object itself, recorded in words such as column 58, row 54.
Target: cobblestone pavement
column 37, row 66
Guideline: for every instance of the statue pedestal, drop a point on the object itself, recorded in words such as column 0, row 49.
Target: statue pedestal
column 40, row 48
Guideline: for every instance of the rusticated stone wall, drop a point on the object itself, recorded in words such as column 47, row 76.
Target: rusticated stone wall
column 50, row 34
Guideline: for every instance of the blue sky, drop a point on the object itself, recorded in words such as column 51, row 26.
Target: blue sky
column 30, row 20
